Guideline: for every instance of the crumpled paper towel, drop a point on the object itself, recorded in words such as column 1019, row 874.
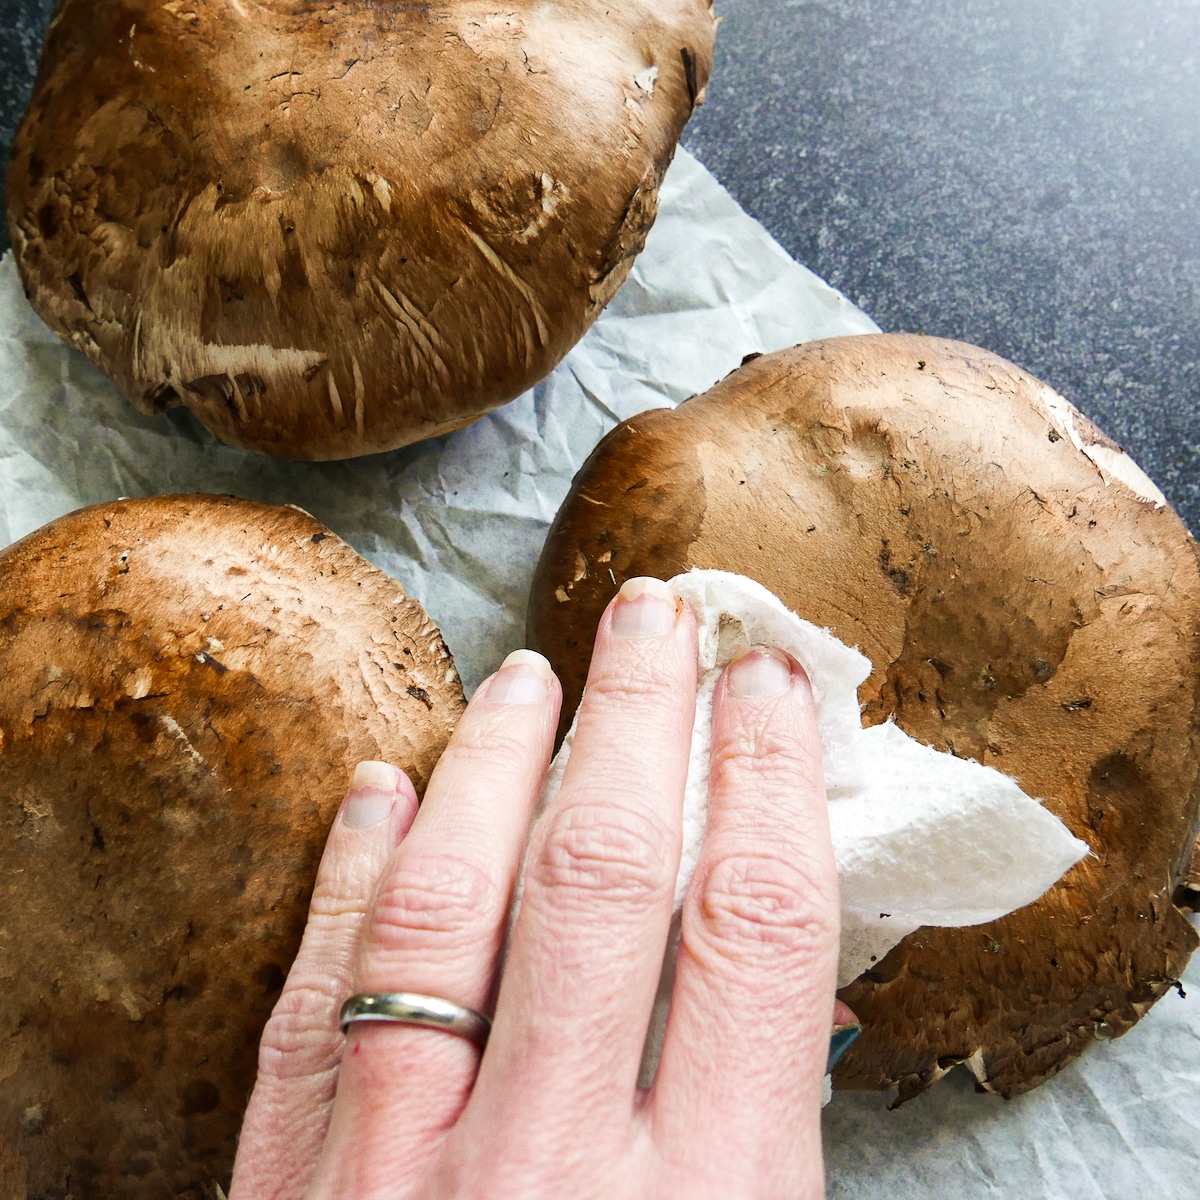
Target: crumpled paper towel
column 920, row 837
column 460, row 521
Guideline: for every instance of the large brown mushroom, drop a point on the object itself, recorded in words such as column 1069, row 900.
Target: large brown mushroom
column 332, row 228
column 186, row 684
column 1027, row 600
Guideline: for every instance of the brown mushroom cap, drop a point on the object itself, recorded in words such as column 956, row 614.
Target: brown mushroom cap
column 922, row 499
column 332, row 229
column 186, row 683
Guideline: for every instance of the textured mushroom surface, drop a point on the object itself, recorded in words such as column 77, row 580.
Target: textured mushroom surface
column 1026, row 600
column 332, row 229
column 186, row 684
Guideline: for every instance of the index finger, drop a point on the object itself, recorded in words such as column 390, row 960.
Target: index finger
column 587, row 949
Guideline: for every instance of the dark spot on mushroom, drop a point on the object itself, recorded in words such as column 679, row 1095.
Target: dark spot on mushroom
column 897, row 576
column 320, row 537
column 164, row 396
column 271, row 976
column 1055, row 436
column 144, row 725
column 641, row 483
column 200, row 1096
column 419, row 693
column 209, row 661
column 76, row 283
column 250, row 385
column 97, row 838
column 124, row 1075
column 215, row 388
column 48, row 222
column 1041, row 669
column 748, row 358
column 689, row 74
column 1078, row 705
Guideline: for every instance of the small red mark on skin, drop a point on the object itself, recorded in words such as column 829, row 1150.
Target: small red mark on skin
column 357, row 1048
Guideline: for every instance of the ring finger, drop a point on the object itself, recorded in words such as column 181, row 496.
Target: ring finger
column 436, row 928
column 286, row 1120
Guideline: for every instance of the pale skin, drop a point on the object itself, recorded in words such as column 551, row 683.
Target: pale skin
column 417, row 901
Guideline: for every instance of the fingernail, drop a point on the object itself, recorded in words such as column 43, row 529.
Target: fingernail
column 645, row 608
column 524, row 678
column 371, row 796
column 839, row 1043
column 759, row 673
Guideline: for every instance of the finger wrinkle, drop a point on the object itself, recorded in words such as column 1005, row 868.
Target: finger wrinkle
column 502, row 749
column 779, row 773
column 337, row 912
column 780, row 732
column 443, row 900
column 605, row 854
column 659, row 690
column 747, row 906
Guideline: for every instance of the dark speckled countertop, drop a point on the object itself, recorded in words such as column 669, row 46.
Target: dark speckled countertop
column 1020, row 174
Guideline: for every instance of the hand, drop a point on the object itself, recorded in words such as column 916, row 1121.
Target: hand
column 552, row 1109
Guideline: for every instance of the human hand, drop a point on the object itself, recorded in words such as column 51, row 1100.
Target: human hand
column 553, row 1108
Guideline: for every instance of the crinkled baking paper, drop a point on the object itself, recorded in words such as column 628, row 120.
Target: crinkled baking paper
column 460, row 520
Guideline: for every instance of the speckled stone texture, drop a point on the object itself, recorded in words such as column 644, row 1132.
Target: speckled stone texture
column 1013, row 173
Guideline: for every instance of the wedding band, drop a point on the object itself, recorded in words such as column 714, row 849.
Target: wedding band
column 411, row 1008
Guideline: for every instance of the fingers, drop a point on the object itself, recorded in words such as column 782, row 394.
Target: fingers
column 587, row 949
column 301, row 1047
column 749, row 1032
column 436, row 928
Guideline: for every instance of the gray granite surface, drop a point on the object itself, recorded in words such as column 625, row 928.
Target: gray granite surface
column 1021, row 174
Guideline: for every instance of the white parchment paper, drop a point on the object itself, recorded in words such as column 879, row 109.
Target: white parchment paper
column 460, row 522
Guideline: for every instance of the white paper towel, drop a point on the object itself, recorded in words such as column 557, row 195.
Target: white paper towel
column 920, row 837
column 460, row 522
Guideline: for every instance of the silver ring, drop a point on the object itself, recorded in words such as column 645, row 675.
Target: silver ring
column 411, row 1008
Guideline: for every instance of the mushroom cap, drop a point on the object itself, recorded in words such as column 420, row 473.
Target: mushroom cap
column 186, row 684
column 1021, row 604
column 336, row 229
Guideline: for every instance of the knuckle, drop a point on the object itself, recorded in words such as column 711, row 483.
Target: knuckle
column 750, row 905
column 485, row 746
column 442, row 900
column 299, row 1038
column 650, row 686
column 604, row 850
column 775, row 760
